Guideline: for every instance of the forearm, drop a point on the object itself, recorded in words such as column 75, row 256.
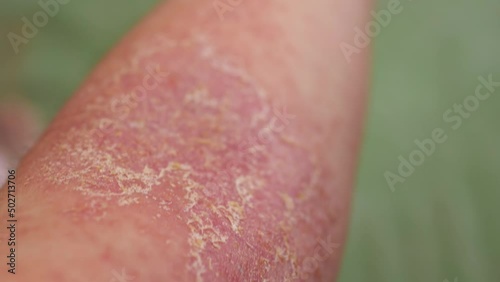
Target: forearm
column 202, row 149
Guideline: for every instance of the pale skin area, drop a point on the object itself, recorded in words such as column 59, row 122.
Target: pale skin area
column 236, row 162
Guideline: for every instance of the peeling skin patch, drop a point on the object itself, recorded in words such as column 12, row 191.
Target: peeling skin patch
column 183, row 140
column 201, row 216
column 200, row 96
column 202, row 229
column 245, row 186
column 287, row 253
column 201, row 219
column 232, row 212
column 125, row 201
column 206, row 51
column 126, row 185
column 165, row 205
column 129, row 181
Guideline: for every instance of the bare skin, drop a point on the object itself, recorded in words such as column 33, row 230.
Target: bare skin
column 201, row 150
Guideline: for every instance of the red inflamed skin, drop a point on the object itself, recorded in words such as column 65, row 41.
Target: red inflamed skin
column 214, row 143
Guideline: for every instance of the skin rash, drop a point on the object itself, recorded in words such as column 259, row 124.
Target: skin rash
column 201, row 150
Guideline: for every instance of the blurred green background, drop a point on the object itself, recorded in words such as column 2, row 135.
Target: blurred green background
column 442, row 222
